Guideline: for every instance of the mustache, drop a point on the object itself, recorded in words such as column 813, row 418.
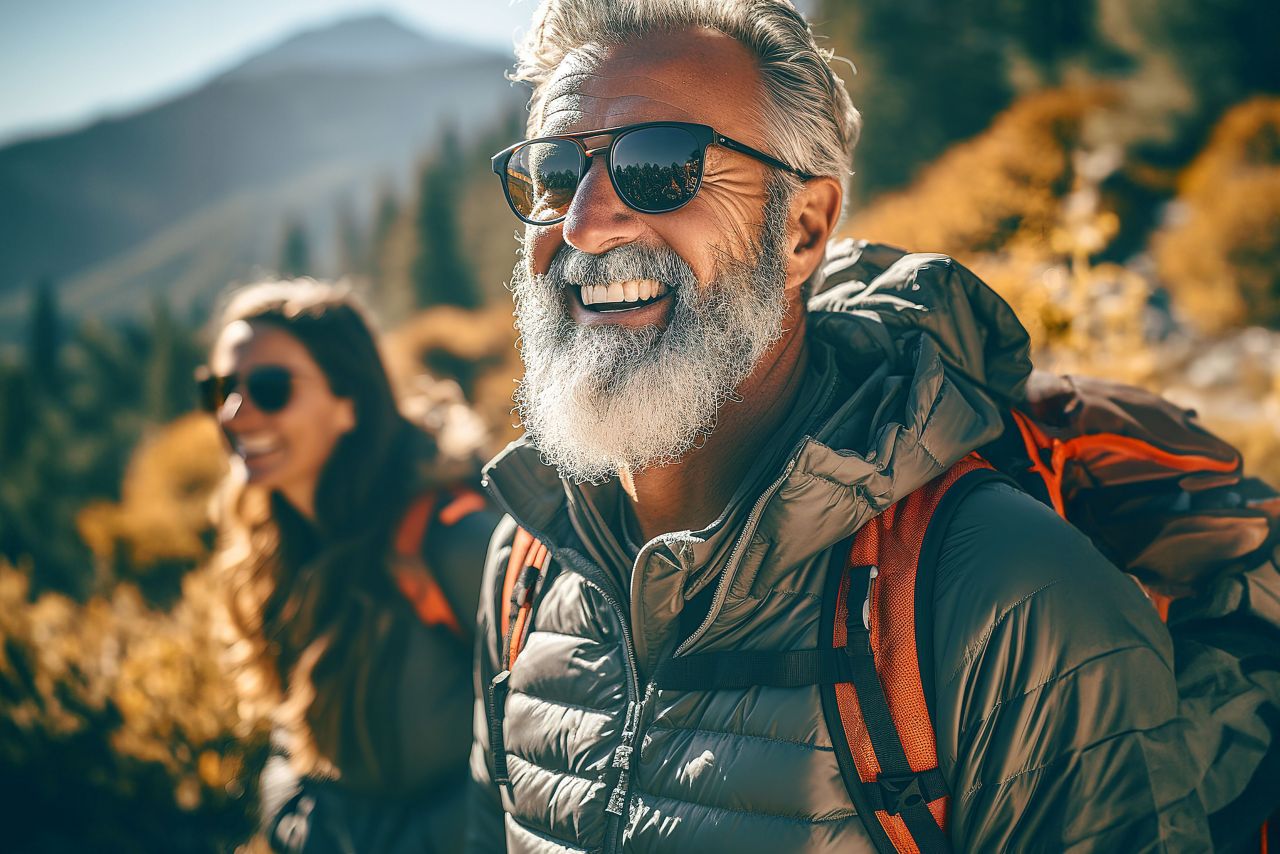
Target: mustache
column 574, row 268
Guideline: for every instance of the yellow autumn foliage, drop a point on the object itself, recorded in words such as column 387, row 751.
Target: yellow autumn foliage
column 122, row 702
column 162, row 517
column 1000, row 189
column 1221, row 256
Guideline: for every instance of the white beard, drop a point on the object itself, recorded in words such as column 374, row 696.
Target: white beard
column 598, row 399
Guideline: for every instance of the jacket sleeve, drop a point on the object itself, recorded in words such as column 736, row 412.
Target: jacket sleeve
column 485, row 823
column 1057, row 707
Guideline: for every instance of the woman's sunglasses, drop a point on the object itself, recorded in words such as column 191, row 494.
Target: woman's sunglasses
column 269, row 387
column 655, row 167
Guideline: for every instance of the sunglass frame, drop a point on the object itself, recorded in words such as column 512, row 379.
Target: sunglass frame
column 703, row 136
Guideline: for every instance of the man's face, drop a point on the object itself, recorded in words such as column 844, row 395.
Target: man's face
column 610, row 389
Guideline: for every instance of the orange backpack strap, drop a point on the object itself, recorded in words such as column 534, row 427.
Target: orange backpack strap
column 526, row 567
column 412, row 576
column 880, row 719
column 529, row 559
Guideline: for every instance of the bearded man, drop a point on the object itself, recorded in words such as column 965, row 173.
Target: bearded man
column 702, row 440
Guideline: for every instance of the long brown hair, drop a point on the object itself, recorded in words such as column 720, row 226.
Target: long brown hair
column 310, row 601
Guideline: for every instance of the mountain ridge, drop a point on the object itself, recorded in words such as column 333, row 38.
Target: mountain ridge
column 285, row 119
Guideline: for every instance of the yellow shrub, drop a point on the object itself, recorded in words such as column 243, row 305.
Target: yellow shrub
column 162, row 517
column 130, row 715
column 1221, row 260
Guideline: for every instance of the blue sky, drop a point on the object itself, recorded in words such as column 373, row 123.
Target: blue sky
column 64, row 62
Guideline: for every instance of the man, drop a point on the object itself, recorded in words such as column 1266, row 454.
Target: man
column 699, row 443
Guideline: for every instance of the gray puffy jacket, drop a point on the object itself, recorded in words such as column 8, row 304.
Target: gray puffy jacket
column 1057, row 711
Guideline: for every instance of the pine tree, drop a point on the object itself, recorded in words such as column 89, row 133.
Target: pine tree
column 44, row 339
column 295, row 251
column 441, row 274
column 354, row 255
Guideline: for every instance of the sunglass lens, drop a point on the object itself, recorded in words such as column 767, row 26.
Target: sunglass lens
column 212, row 390
column 269, row 388
column 657, row 169
column 542, row 177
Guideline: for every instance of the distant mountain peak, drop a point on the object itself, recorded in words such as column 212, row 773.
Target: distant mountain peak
column 374, row 43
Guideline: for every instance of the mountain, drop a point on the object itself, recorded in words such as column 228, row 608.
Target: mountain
column 191, row 194
column 375, row 43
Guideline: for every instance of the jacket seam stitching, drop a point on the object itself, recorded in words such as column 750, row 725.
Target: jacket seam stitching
column 1062, row 756
column 550, row 702
column 843, row 815
column 548, row 836
column 541, row 631
column 972, row 652
column 555, row 772
column 797, row 743
column 1057, row 677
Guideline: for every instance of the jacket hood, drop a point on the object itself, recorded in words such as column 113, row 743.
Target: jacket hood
column 931, row 355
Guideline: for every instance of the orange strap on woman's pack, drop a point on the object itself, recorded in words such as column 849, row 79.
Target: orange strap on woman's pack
column 891, row 544
column 415, row 581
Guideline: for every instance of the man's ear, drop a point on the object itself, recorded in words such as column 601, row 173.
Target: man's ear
column 815, row 209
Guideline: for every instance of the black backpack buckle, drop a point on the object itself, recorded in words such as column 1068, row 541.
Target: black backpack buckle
column 898, row 792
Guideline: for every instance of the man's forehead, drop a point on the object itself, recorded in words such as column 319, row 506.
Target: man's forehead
column 697, row 76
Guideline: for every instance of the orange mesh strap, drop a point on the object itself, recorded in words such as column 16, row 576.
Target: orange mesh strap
column 892, row 543
column 412, row 576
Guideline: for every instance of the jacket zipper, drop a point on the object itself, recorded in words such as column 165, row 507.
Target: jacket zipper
column 621, row 758
column 748, row 530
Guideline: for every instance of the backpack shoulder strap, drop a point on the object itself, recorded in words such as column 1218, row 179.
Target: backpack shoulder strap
column 413, row 577
column 877, row 611
column 526, row 567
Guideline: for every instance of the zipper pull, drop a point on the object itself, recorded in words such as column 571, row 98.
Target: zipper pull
column 622, row 753
column 498, row 688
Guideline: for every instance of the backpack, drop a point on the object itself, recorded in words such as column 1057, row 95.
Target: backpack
column 1161, row 497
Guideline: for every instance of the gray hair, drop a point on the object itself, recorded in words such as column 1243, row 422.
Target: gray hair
column 809, row 120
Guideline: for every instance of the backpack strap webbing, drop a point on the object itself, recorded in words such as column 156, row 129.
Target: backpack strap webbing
column 526, row 566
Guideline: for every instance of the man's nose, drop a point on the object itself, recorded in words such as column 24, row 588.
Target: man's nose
column 598, row 220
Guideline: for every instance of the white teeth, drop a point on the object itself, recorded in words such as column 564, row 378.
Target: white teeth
column 252, row 445
column 633, row 290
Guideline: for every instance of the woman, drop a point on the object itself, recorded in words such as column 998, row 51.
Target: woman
column 353, row 559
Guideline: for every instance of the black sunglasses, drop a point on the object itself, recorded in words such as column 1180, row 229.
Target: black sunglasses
column 655, row 167
column 268, row 386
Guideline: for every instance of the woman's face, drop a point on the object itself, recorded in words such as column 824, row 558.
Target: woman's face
column 284, row 449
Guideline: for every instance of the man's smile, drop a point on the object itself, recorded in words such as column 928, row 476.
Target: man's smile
column 634, row 303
